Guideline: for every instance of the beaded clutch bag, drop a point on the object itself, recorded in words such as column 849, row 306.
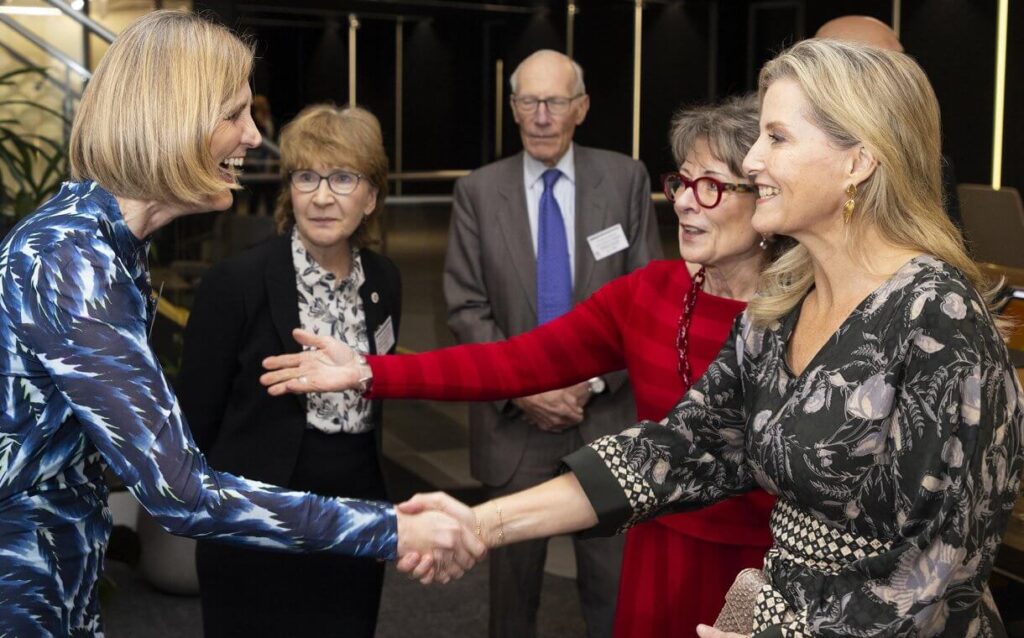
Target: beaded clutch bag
column 738, row 612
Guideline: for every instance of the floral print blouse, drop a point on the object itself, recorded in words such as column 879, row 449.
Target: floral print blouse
column 80, row 392
column 331, row 307
column 903, row 436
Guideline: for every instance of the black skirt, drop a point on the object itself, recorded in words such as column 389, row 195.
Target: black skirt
column 251, row 593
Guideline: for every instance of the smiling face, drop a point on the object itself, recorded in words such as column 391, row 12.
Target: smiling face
column 719, row 236
column 235, row 134
column 547, row 137
column 800, row 173
column 326, row 220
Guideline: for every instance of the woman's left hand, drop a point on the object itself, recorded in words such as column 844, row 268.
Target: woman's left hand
column 706, row 631
column 324, row 365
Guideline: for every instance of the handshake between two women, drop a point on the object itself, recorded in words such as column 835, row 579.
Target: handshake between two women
column 439, row 538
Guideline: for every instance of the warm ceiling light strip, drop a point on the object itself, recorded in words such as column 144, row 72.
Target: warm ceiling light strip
column 28, row 11
column 353, row 27
column 638, row 17
column 997, row 124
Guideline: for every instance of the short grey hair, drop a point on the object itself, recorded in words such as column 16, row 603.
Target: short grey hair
column 730, row 128
column 578, row 88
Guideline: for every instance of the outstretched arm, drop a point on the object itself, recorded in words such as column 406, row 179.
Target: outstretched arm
column 585, row 342
column 84, row 319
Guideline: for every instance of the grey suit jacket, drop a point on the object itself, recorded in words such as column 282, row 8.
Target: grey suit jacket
column 490, row 281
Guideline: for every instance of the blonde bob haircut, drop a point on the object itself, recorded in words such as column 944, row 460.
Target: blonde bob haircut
column 147, row 117
column 883, row 100
column 325, row 136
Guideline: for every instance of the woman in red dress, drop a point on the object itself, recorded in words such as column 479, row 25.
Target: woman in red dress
column 664, row 323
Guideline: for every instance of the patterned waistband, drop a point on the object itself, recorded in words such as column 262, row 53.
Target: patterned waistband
column 802, row 539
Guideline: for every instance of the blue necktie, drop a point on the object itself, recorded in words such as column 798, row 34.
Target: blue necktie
column 554, row 278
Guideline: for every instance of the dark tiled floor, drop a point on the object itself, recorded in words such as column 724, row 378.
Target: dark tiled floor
column 133, row 609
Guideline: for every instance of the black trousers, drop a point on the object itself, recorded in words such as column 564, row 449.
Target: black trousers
column 517, row 571
column 252, row 593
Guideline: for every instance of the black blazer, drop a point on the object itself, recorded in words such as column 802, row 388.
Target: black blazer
column 245, row 310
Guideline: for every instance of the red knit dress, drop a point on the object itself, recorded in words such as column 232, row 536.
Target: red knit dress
column 677, row 568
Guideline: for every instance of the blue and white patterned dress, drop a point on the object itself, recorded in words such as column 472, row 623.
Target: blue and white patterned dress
column 80, row 391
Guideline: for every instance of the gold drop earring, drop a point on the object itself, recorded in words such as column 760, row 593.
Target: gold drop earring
column 851, row 203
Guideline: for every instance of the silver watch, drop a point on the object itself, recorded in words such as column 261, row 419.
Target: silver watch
column 367, row 380
column 596, row 385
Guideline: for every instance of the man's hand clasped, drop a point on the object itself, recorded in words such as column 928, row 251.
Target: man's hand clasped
column 555, row 410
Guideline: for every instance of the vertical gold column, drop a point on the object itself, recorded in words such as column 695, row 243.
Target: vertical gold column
column 399, row 63
column 897, row 15
column 499, row 106
column 997, row 124
column 570, row 26
column 638, row 17
column 353, row 26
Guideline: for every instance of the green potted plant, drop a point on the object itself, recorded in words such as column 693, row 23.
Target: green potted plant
column 32, row 166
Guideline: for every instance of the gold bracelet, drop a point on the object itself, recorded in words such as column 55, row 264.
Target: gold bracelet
column 477, row 528
column 501, row 527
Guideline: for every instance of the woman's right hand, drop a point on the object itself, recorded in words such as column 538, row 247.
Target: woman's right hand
column 436, row 539
column 324, row 365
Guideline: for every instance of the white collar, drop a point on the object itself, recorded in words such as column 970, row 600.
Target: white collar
column 534, row 168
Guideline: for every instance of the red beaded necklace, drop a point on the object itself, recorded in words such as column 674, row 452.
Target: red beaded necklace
column 683, row 337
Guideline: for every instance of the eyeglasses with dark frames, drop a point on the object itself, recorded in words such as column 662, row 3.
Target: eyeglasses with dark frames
column 707, row 190
column 340, row 182
column 529, row 104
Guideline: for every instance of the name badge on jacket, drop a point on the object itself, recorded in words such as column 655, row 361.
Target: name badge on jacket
column 607, row 242
column 384, row 337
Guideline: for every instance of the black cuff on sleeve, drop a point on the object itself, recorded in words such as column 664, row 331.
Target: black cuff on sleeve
column 604, row 492
column 775, row 631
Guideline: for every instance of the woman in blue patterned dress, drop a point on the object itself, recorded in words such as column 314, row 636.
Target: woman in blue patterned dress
column 867, row 385
column 160, row 132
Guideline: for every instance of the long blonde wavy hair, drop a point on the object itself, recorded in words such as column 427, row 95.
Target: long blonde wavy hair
column 883, row 100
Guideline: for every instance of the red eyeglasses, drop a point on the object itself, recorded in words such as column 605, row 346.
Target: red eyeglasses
column 707, row 190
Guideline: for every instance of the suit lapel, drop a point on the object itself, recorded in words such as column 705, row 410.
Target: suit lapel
column 283, row 297
column 374, row 309
column 514, row 223
column 591, row 217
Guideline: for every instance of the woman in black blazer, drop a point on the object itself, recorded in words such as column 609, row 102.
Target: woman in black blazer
column 317, row 275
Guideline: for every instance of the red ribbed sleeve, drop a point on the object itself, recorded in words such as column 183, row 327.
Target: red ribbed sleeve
column 629, row 323
column 583, row 343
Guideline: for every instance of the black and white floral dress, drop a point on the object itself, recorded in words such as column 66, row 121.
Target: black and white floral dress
column 896, row 455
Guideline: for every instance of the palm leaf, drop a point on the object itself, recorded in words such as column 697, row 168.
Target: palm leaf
column 5, row 79
column 35, row 163
column 34, row 105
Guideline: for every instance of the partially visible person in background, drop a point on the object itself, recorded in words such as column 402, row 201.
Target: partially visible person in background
column 262, row 117
column 264, row 158
column 874, row 32
column 862, row 29
column 320, row 276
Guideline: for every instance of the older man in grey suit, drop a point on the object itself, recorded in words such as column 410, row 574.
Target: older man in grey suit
column 530, row 236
